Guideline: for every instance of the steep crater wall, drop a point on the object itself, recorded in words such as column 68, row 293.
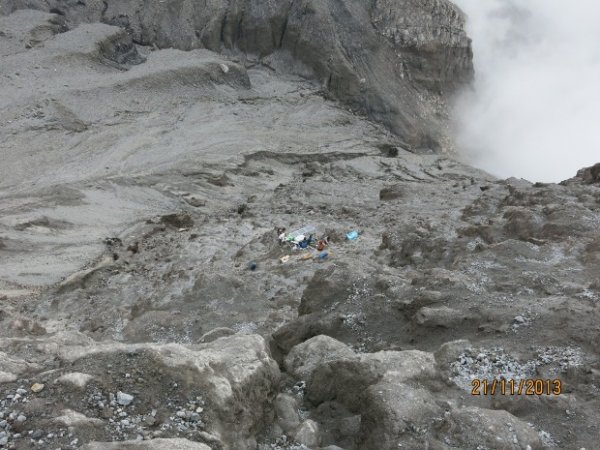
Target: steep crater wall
column 396, row 61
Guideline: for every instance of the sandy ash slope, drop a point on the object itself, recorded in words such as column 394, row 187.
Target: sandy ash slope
column 149, row 153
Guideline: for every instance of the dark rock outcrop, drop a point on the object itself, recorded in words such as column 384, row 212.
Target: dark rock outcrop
column 587, row 175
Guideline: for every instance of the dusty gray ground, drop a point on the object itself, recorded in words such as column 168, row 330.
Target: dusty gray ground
column 138, row 184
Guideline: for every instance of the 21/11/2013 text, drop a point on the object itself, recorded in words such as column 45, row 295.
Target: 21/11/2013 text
column 516, row 387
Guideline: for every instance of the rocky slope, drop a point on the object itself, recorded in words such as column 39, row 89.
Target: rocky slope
column 395, row 61
column 150, row 153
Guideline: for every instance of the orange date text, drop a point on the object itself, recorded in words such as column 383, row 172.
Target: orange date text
column 516, row 387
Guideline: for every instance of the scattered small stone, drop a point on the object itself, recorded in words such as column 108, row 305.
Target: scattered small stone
column 37, row 434
column 124, row 399
column 37, row 387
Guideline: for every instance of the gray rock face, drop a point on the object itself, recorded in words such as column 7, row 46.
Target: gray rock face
column 430, row 36
column 587, row 175
column 373, row 56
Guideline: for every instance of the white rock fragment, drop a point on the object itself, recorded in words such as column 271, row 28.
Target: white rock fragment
column 37, row 387
column 76, row 379
column 124, row 399
column 72, row 418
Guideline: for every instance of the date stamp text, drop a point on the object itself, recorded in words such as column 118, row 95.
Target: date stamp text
column 516, row 387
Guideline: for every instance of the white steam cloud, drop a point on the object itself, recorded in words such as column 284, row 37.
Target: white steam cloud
column 534, row 112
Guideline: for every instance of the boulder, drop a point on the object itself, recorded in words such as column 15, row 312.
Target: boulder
column 305, row 327
column 239, row 379
column 450, row 351
column 308, row 434
column 305, row 357
column 338, row 425
column 404, row 366
column 286, row 410
column 346, row 379
column 343, row 380
column 471, row 427
column 395, row 414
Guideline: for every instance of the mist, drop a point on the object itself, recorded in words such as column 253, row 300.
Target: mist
column 534, row 111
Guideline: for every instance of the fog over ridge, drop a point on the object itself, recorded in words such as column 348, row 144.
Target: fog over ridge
column 534, row 111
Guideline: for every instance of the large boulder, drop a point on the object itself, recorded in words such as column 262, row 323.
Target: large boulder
column 304, row 358
column 405, row 366
column 346, row 378
column 286, row 410
column 471, row 427
column 343, row 380
column 305, row 327
column 394, row 414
